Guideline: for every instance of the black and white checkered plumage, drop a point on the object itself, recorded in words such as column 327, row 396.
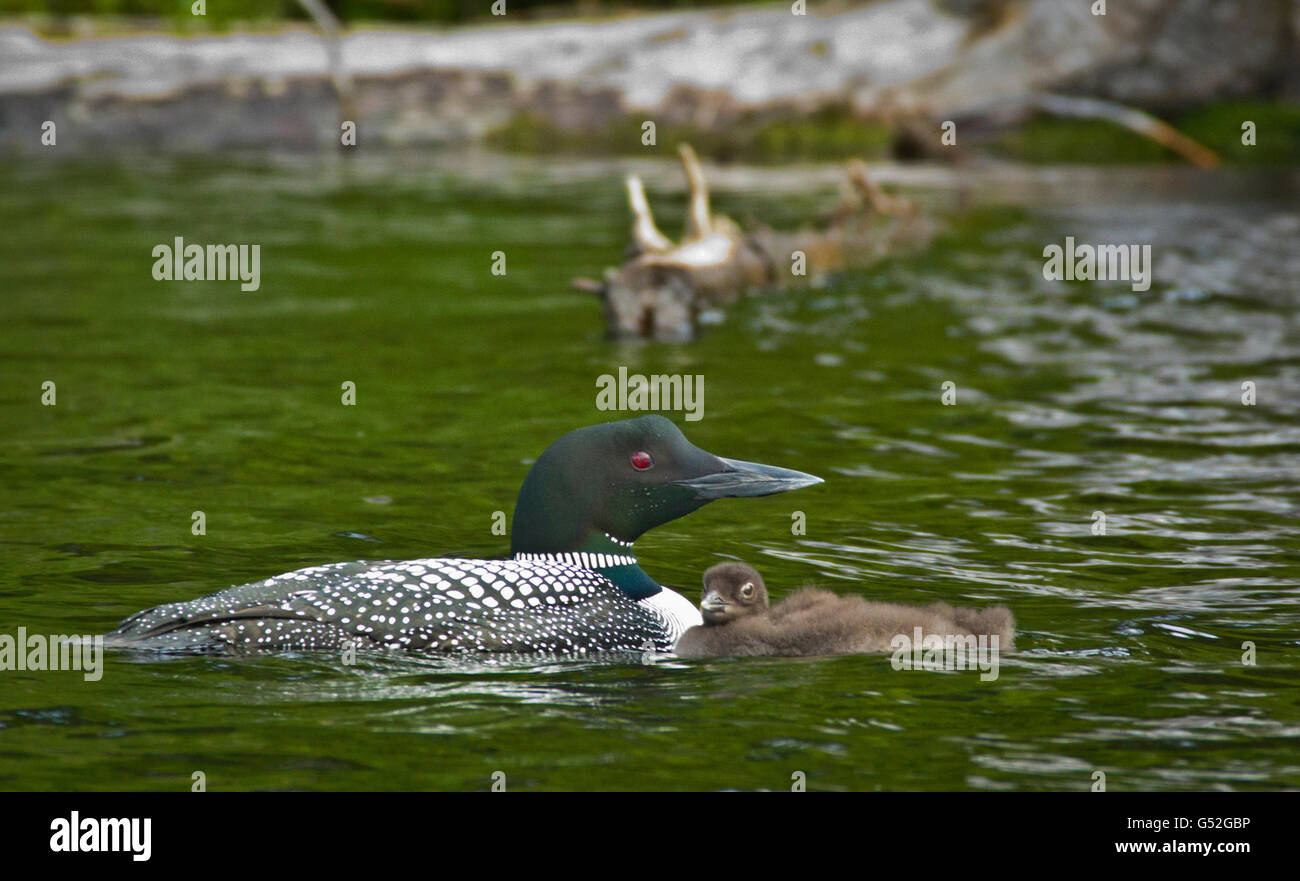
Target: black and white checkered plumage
column 442, row 606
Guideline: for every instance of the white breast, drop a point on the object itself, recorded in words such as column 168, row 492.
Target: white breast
column 679, row 613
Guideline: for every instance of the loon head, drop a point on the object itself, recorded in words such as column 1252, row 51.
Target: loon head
column 598, row 489
column 731, row 591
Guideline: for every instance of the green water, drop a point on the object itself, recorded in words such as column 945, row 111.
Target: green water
column 1072, row 398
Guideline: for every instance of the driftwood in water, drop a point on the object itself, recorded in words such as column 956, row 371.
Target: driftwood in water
column 660, row 291
column 1130, row 118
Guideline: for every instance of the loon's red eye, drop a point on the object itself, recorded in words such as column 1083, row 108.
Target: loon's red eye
column 642, row 461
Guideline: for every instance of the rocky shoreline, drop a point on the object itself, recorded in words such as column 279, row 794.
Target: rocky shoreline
column 897, row 59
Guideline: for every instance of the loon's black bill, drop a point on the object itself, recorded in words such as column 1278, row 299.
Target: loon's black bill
column 746, row 479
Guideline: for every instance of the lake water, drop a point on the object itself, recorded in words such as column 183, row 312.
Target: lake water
column 1072, row 398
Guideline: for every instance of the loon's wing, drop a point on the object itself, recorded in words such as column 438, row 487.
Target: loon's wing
column 438, row 606
column 237, row 615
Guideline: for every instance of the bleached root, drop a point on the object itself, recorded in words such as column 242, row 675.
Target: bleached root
column 661, row 290
column 646, row 236
column 698, row 221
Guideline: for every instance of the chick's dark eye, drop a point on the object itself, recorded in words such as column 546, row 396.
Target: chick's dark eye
column 642, row 461
column 748, row 590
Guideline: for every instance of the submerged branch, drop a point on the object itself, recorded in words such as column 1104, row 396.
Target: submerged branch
column 1133, row 120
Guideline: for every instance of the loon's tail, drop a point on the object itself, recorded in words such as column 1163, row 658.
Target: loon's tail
column 262, row 616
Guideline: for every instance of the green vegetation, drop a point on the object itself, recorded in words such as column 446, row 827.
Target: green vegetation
column 1217, row 126
column 834, row 133
column 829, row 134
column 1049, row 140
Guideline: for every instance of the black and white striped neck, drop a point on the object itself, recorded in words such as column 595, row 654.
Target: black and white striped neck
column 595, row 560
column 606, row 554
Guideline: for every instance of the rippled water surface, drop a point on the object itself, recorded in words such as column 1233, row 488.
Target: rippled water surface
column 1073, row 398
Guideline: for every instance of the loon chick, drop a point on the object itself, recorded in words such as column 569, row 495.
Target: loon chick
column 573, row 584
column 812, row 622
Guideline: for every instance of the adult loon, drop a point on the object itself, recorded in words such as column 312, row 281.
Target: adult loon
column 572, row 586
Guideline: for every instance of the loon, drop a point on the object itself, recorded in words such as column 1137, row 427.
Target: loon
column 573, row 584
column 809, row 623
